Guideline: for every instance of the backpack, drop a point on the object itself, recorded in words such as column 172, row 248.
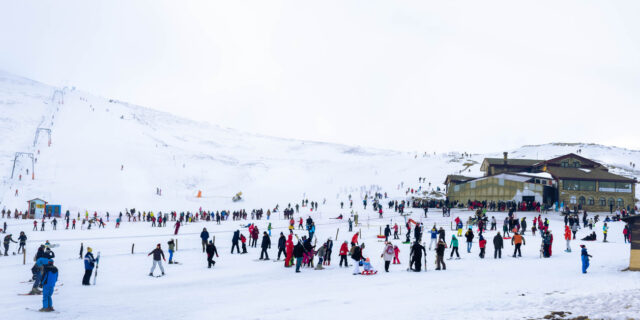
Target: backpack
column 389, row 250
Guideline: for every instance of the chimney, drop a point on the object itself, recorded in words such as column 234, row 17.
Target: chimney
column 505, row 157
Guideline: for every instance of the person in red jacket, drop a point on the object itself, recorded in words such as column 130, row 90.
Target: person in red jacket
column 483, row 244
column 354, row 239
column 344, row 251
column 567, row 236
column 243, row 239
column 177, row 227
column 288, row 261
column 396, row 251
column 395, row 232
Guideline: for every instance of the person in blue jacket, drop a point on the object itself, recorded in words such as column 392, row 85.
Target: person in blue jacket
column 585, row 258
column 312, row 230
column 434, row 236
column 204, row 235
column 49, row 279
column 89, row 264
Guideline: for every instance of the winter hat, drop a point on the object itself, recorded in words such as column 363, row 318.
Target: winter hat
column 89, row 249
column 158, row 245
column 582, row 246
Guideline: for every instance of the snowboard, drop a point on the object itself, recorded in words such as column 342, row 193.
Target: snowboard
column 96, row 272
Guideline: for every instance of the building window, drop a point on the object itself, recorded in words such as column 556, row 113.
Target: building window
column 620, row 203
column 591, row 201
column 572, row 200
column 576, row 164
column 501, row 181
column 579, row 185
column 610, row 186
column 564, row 164
column 582, row 200
column 603, row 202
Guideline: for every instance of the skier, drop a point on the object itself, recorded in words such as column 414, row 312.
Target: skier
column 454, row 247
column 211, row 250
column 40, row 262
column 89, row 264
column 234, row 241
column 204, row 235
column 49, row 279
column 281, row 245
column 387, row 233
column 344, row 250
column 387, row 255
column 440, row 247
column 585, row 258
column 498, row 244
column 416, row 256
column 157, row 254
column 7, row 239
column 172, row 246
column 266, row 244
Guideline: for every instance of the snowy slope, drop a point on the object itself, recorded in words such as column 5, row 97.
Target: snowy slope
column 93, row 137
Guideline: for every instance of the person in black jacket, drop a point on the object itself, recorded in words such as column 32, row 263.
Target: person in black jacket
column 357, row 257
column 157, row 254
column 234, row 241
column 281, row 245
column 298, row 252
column 23, row 240
column 498, row 244
column 266, row 244
column 211, row 250
column 440, row 247
column 387, row 233
column 416, row 256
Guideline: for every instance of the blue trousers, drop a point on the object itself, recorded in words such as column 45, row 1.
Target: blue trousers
column 170, row 255
column 469, row 244
column 585, row 265
column 298, row 263
column 46, row 297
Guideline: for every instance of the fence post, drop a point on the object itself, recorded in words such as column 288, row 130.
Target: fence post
column 24, row 256
column 132, row 245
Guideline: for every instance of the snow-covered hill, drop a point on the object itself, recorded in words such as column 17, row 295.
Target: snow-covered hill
column 109, row 155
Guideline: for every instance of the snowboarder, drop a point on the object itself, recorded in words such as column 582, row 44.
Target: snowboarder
column 89, row 264
column 157, row 254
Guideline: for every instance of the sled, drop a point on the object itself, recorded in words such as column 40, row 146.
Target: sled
column 369, row 273
column 381, row 237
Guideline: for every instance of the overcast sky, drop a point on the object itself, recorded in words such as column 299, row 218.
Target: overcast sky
column 407, row 75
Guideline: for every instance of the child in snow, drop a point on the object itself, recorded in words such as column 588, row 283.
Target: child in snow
column 368, row 269
column 396, row 251
column 585, row 258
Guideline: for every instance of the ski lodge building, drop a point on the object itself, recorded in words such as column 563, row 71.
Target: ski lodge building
column 569, row 180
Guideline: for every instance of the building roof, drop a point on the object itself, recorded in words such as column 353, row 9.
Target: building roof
column 584, row 160
column 457, row 178
column 36, row 199
column 580, row 174
column 510, row 162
